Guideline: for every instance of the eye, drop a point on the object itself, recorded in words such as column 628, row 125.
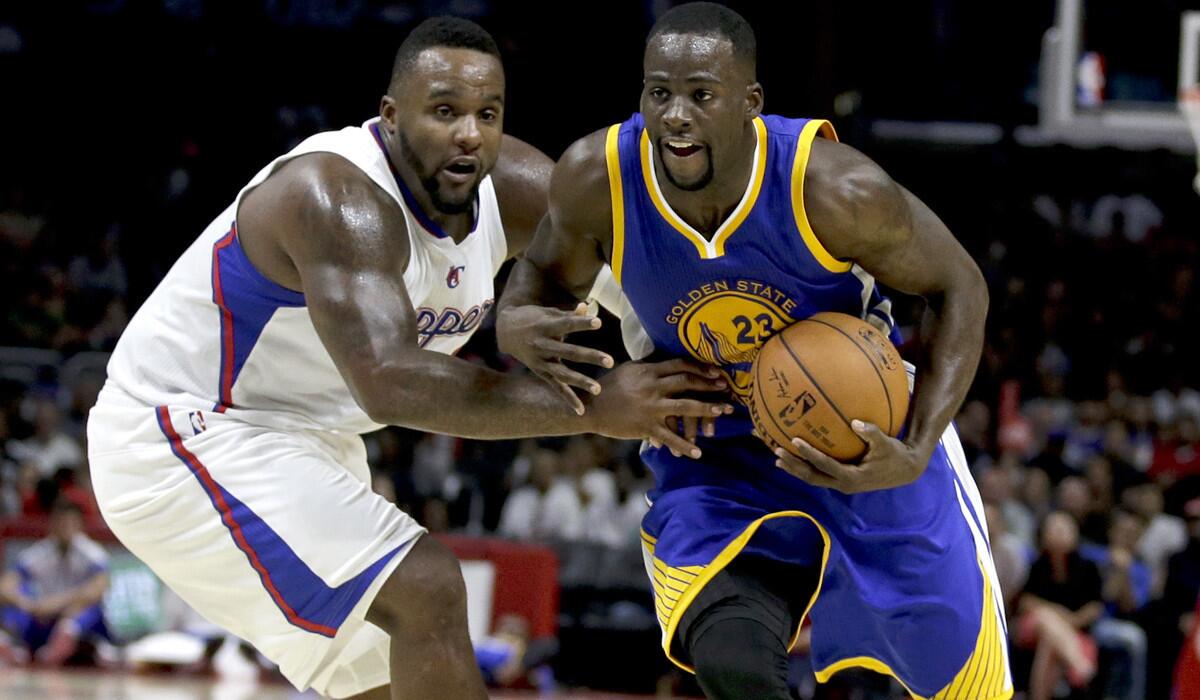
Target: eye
column 658, row 93
column 443, row 111
column 702, row 95
column 489, row 115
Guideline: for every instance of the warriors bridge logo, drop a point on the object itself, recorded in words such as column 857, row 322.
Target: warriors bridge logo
column 725, row 322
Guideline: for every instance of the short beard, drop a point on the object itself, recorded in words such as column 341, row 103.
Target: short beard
column 432, row 187
column 695, row 186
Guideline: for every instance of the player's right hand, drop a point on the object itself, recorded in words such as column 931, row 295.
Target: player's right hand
column 638, row 398
column 534, row 335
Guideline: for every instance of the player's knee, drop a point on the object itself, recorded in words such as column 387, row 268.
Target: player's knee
column 427, row 587
column 740, row 659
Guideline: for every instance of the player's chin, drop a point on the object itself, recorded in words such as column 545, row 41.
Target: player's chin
column 454, row 193
column 688, row 173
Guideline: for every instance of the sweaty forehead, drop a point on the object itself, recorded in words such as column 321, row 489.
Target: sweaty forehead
column 681, row 54
column 456, row 69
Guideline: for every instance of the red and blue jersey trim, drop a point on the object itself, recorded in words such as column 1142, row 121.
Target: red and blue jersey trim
column 303, row 598
column 246, row 300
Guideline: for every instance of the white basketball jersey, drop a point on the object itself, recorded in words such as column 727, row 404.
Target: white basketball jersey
column 217, row 335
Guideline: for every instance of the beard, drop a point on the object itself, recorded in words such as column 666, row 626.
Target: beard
column 431, row 185
column 696, row 186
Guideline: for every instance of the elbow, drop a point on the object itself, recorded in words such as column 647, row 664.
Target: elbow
column 371, row 395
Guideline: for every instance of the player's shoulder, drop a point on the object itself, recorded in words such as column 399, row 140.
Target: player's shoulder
column 521, row 179
column 581, row 178
column 323, row 190
column 519, row 168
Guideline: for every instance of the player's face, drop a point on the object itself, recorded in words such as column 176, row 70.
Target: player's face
column 447, row 116
column 696, row 101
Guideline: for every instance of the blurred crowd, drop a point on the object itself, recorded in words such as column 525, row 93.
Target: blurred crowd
column 1082, row 427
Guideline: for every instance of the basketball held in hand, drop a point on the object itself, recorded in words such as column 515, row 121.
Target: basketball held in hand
column 814, row 377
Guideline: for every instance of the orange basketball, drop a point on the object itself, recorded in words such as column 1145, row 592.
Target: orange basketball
column 817, row 375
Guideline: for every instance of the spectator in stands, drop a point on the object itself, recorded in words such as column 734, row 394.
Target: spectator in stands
column 633, row 483
column 583, row 463
column 1086, row 438
column 49, row 448
column 1008, row 554
column 996, row 488
column 1141, row 432
column 1177, row 452
column 1036, row 493
column 545, row 509
column 1165, row 535
column 1074, row 497
column 1061, row 601
column 54, row 591
column 1126, row 591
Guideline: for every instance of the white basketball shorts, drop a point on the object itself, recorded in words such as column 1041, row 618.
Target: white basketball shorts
column 275, row 536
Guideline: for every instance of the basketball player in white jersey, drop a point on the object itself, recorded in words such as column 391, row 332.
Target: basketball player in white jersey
column 327, row 300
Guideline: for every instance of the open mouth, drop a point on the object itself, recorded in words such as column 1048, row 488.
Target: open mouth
column 461, row 170
column 682, row 148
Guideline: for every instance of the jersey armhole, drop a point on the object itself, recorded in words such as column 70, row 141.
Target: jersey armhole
column 612, row 157
column 814, row 128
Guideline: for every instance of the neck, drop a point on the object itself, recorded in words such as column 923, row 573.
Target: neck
column 706, row 209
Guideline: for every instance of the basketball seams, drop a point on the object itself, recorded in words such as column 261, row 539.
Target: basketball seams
column 812, row 380
column 886, row 394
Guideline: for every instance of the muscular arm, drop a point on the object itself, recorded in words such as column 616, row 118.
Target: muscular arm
column 345, row 242
column 522, row 181
column 861, row 214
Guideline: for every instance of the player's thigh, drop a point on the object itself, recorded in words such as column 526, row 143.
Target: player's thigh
column 265, row 534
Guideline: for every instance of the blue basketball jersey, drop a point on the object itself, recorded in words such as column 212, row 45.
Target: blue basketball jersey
column 718, row 299
column 898, row 567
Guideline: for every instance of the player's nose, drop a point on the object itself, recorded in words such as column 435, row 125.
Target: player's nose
column 675, row 117
column 467, row 135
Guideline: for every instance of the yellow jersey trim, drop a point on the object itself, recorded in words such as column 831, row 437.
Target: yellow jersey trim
column 715, row 248
column 612, row 157
column 676, row 587
column 983, row 676
column 799, row 166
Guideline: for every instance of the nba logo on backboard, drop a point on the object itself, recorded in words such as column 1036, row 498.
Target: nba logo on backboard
column 452, row 277
column 197, row 420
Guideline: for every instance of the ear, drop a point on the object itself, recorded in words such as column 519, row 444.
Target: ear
column 754, row 100
column 387, row 113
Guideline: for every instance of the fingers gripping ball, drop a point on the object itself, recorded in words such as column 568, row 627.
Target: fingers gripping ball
column 817, row 375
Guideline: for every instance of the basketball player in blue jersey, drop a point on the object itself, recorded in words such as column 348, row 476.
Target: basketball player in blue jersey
column 325, row 301
column 722, row 226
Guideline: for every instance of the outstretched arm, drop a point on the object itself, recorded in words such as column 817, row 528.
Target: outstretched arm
column 540, row 305
column 347, row 243
column 861, row 214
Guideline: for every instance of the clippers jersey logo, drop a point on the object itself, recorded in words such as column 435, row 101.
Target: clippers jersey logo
column 724, row 324
column 432, row 323
column 452, row 277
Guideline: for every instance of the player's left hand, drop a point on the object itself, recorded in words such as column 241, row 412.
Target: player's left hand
column 888, row 463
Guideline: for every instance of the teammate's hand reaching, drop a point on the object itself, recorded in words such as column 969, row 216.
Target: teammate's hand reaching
column 534, row 335
column 887, row 464
column 638, row 398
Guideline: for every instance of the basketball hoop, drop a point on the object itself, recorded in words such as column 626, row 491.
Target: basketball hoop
column 1189, row 104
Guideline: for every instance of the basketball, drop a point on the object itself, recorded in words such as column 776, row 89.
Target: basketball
column 817, row 375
